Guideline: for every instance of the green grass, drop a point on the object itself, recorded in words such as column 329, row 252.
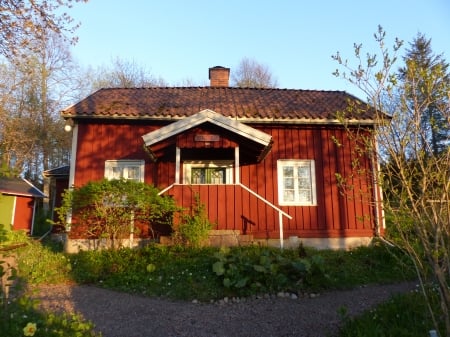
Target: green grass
column 403, row 315
column 187, row 273
column 37, row 264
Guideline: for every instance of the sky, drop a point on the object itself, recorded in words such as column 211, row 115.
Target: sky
column 178, row 40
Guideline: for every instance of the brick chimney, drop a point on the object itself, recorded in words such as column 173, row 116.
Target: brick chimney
column 219, row 76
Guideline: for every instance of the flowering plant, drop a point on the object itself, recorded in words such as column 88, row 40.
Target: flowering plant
column 29, row 329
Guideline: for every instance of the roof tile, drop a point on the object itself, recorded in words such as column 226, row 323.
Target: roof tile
column 242, row 103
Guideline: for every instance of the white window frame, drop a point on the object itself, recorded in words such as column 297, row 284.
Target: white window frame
column 124, row 165
column 282, row 163
column 189, row 165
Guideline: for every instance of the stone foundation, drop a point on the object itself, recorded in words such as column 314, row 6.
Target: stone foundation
column 224, row 238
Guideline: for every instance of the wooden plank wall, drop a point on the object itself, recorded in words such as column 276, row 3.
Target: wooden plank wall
column 336, row 214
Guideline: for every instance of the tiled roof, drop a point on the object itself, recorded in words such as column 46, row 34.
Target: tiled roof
column 246, row 104
column 17, row 186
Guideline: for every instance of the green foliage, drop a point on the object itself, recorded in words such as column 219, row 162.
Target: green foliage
column 22, row 312
column 194, row 227
column 403, row 315
column 256, row 269
column 40, row 264
column 8, row 236
column 19, row 314
column 205, row 273
column 155, row 270
column 108, row 208
column 41, row 223
column 378, row 263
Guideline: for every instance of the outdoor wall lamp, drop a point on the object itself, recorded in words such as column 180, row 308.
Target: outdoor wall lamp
column 69, row 125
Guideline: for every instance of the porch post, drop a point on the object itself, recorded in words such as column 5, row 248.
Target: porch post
column 236, row 165
column 177, row 165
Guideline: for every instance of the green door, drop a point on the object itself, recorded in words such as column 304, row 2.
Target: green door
column 6, row 210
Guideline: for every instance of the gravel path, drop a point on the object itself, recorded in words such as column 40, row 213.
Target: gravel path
column 117, row 314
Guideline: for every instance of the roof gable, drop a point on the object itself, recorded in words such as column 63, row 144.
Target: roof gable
column 202, row 117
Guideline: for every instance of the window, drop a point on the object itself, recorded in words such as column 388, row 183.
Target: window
column 213, row 172
column 125, row 169
column 296, row 182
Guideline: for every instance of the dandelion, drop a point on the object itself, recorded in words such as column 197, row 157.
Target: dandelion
column 30, row 329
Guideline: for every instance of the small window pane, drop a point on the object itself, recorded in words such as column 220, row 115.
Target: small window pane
column 217, row 176
column 289, row 195
column 289, row 183
column 304, row 195
column 288, row 171
column 198, row 176
column 133, row 173
column 117, row 172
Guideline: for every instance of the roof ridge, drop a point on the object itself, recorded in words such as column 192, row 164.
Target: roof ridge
column 219, row 88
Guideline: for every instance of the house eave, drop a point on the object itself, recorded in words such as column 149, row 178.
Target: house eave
column 297, row 121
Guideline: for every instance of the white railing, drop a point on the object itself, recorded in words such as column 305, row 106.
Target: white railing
column 281, row 213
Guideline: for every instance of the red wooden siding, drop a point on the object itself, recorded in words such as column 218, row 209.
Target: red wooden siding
column 23, row 216
column 337, row 214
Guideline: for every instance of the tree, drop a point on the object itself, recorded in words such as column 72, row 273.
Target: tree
column 415, row 178
column 25, row 21
column 34, row 89
column 251, row 74
column 121, row 74
column 420, row 65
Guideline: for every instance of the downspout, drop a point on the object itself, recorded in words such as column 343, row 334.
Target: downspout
column 33, row 216
column 177, row 165
column 237, row 177
column 73, row 157
column 13, row 215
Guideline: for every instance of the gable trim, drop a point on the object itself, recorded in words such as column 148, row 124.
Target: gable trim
column 203, row 117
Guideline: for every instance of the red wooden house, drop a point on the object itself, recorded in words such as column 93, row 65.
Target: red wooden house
column 264, row 162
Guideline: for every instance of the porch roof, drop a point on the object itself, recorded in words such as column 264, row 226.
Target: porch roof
column 262, row 139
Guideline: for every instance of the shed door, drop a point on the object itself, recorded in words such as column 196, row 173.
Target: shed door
column 23, row 217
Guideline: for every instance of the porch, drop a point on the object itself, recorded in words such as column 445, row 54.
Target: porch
column 233, row 208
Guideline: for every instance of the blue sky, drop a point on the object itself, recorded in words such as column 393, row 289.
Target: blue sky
column 180, row 39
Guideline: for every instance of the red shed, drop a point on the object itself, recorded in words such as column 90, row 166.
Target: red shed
column 264, row 162
column 18, row 203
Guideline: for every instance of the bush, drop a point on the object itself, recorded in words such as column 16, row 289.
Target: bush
column 110, row 209
column 256, row 269
column 194, row 227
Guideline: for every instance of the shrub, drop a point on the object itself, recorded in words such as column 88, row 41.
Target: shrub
column 110, row 208
column 259, row 269
column 194, row 227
